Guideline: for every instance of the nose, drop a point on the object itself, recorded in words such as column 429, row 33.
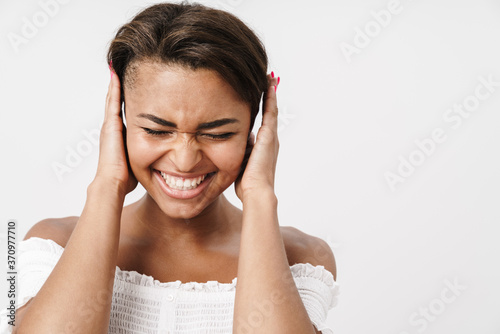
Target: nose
column 185, row 153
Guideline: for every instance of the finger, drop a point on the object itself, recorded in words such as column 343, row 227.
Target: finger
column 113, row 101
column 124, row 132
column 248, row 150
column 246, row 157
column 251, row 139
column 272, row 79
column 250, row 145
column 270, row 104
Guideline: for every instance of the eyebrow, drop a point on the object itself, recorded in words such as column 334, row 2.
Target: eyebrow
column 203, row 126
column 217, row 123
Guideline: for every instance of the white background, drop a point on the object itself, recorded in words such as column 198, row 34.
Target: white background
column 345, row 122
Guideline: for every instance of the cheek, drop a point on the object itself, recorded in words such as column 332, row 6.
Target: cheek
column 141, row 152
column 228, row 158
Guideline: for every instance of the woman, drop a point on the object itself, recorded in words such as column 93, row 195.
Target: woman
column 190, row 79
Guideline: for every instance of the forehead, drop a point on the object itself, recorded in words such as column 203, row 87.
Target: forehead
column 182, row 93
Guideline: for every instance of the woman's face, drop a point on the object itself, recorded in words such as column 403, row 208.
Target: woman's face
column 186, row 135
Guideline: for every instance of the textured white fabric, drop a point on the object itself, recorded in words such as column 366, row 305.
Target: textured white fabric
column 142, row 304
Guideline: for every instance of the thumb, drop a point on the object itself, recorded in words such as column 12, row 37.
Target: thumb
column 248, row 152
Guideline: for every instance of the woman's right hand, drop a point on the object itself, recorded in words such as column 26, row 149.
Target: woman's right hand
column 113, row 163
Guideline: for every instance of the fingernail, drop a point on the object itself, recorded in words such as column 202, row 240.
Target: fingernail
column 278, row 81
column 110, row 66
column 272, row 74
column 275, row 88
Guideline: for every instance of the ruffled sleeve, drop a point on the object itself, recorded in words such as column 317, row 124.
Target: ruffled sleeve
column 319, row 292
column 36, row 259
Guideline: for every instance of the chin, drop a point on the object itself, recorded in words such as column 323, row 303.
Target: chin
column 179, row 215
column 185, row 211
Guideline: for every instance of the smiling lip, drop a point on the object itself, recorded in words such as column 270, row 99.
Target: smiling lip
column 181, row 187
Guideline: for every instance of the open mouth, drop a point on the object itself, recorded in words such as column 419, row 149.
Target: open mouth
column 181, row 183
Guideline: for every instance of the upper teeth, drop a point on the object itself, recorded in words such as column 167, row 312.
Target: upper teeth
column 182, row 183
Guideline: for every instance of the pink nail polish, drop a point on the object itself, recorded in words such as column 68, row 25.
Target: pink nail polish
column 272, row 74
column 278, row 81
column 110, row 65
column 275, row 88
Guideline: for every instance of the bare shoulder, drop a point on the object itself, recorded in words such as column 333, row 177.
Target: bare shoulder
column 56, row 229
column 304, row 248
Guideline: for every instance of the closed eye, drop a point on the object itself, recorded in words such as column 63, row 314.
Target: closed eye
column 156, row 132
column 218, row 136
column 210, row 136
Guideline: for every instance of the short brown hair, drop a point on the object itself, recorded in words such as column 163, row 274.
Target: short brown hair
column 194, row 36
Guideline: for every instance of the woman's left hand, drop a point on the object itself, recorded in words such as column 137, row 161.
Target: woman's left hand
column 258, row 175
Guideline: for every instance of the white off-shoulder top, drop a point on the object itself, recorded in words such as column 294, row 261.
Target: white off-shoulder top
column 142, row 304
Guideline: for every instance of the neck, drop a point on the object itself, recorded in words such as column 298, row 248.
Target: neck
column 151, row 224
